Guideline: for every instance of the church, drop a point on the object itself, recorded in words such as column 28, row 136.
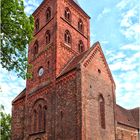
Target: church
column 71, row 94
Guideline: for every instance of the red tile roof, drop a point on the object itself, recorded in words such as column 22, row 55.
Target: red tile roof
column 76, row 60
column 136, row 114
column 126, row 117
column 20, row 96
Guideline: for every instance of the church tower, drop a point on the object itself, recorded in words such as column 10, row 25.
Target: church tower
column 71, row 89
column 61, row 32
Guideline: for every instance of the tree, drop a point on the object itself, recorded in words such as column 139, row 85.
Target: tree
column 5, row 124
column 16, row 33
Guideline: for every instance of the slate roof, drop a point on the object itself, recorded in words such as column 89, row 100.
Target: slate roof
column 126, row 117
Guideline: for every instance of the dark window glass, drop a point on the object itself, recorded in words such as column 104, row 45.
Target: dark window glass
column 80, row 25
column 36, row 48
column 80, row 46
column 37, row 25
column 48, row 14
column 40, row 117
column 35, row 120
column 67, row 14
column 48, row 37
column 67, row 37
column 102, row 111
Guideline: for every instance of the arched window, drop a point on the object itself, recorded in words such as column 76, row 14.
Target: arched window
column 48, row 14
column 80, row 26
column 67, row 37
column 48, row 37
column 36, row 48
column 102, row 111
column 39, row 116
column 80, row 46
column 37, row 25
column 67, row 14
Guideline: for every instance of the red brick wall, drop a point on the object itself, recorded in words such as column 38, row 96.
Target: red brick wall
column 18, row 111
column 46, row 52
column 126, row 132
column 63, row 56
column 93, row 85
column 72, row 106
column 43, row 97
column 68, row 118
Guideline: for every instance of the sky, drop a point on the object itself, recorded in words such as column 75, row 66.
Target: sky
column 116, row 25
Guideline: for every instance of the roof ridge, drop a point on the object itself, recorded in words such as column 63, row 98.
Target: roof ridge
column 19, row 95
column 88, row 51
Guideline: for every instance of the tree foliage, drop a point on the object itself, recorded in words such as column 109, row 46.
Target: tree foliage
column 16, row 33
column 5, row 124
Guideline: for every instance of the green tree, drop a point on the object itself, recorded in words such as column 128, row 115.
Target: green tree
column 16, row 33
column 5, row 124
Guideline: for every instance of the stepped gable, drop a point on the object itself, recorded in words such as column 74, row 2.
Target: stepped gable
column 124, row 116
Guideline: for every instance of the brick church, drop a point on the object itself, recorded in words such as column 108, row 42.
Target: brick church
column 71, row 95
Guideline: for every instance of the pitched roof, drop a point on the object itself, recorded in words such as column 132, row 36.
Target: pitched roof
column 76, row 60
column 135, row 112
column 126, row 117
column 76, row 2
column 20, row 96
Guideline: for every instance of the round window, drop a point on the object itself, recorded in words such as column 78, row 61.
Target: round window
column 41, row 71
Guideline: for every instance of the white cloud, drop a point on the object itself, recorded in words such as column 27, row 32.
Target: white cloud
column 113, row 56
column 132, row 47
column 126, row 64
column 103, row 13
column 126, row 20
column 10, row 87
column 129, row 21
column 122, row 4
column 127, row 93
column 31, row 5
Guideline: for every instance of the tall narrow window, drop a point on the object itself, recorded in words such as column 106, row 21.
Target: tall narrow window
column 44, row 117
column 37, row 25
column 67, row 14
column 67, row 37
column 34, row 121
column 49, row 68
column 102, row 111
column 40, row 118
column 48, row 14
column 48, row 37
column 80, row 25
column 36, row 47
column 80, row 46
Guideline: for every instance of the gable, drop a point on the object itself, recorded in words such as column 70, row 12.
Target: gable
column 95, row 63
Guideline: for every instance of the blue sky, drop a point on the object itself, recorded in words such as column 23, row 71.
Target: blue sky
column 115, row 23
